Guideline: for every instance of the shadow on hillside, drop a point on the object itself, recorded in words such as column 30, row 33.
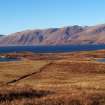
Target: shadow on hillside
column 15, row 95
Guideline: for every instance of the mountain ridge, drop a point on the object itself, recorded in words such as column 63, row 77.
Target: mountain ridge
column 57, row 36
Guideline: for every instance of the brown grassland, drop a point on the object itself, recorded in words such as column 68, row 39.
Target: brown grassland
column 75, row 78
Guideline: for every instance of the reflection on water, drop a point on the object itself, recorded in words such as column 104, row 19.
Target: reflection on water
column 4, row 59
column 101, row 60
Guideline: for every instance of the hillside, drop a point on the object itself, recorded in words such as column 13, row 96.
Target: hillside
column 75, row 78
column 53, row 36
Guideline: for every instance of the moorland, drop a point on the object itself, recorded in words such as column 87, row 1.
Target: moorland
column 74, row 78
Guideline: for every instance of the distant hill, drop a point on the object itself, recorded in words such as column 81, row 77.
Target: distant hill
column 1, row 35
column 55, row 36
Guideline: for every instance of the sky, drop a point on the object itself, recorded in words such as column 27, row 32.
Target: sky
column 18, row 15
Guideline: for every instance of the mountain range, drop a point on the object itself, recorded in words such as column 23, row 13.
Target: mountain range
column 57, row 36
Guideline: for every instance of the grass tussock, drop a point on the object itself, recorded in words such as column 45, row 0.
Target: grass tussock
column 11, row 94
column 79, row 98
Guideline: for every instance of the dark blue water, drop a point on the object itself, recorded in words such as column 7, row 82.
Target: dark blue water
column 8, row 59
column 101, row 60
column 50, row 49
